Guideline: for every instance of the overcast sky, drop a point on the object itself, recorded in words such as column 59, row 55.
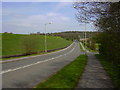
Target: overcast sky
column 26, row 17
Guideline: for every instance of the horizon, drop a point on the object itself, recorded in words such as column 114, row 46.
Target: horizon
column 49, row 32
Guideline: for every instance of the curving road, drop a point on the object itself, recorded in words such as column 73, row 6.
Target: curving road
column 27, row 72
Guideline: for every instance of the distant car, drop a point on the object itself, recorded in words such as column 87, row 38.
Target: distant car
column 76, row 41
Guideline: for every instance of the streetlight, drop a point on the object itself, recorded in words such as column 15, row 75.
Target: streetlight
column 85, row 33
column 45, row 36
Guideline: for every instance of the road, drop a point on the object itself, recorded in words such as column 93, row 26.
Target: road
column 28, row 72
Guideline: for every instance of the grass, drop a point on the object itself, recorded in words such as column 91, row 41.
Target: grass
column 0, row 44
column 90, row 49
column 28, row 55
column 111, row 69
column 22, row 56
column 13, row 44
column 97, row 46
column 68, row 76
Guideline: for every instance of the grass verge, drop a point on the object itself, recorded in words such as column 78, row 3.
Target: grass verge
column 68, row 76
column 89, row 48
column 81, row 48
column 111, row 69
column 22, row 56
column 28, row 55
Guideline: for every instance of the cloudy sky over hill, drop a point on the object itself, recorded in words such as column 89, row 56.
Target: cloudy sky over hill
column 30, row 17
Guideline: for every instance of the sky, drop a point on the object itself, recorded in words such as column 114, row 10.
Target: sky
column 31, row 17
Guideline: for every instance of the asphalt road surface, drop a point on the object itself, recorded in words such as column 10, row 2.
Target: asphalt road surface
column 28, row 72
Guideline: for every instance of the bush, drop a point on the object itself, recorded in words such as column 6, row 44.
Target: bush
column 91, row 44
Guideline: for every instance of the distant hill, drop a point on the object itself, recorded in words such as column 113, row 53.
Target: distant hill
column 72, row 35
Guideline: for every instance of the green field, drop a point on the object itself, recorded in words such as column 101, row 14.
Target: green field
column 14, row 44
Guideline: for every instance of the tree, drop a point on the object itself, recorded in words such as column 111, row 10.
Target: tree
column 110, row 40
column 90, row 11
column 106, row 17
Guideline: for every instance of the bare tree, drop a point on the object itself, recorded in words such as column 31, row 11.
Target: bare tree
column 90, row 11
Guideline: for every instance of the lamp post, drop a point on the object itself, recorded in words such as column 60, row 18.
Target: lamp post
column 85, row 34
column 45, row 36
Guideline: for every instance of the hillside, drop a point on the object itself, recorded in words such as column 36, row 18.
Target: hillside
column 14, row 44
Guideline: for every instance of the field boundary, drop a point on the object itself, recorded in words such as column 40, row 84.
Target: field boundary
column 19, row 55
column 35, row 55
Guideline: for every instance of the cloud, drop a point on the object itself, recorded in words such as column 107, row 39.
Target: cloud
column 36, row 22
column 45, row 18
column 51, row 14
column 61, row 5
column 29, row 19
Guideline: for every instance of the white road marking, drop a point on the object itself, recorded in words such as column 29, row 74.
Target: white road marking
column 9, row 70
column 35, row 55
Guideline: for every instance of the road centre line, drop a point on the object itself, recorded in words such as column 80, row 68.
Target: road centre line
column 9, row 70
